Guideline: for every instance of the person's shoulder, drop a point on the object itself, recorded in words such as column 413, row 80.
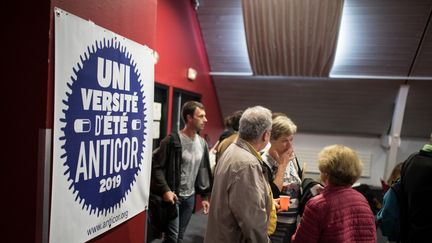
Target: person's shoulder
column 239, row 153
column 170, row 136
column 354, row 198
column 230, row 139
column 240, row 156
column 201, row 139
column 412, row 161
column 166, row 139
column 341, row 193
column 317, row 202
column 174, row 135
column 412, row 157
column 171, row 139
column 357, row 194
column 203, row 142
column 225, row 134
column 425, row 153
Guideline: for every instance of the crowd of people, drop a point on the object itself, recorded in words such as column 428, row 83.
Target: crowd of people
column 246, row 179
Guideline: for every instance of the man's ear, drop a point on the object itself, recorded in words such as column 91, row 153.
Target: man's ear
column 263, row 137
column 188, row 117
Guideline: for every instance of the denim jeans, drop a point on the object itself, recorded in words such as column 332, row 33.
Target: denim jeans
column 177, row 226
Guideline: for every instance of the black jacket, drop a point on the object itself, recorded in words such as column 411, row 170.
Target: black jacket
column 166, row 168
column 416, row 185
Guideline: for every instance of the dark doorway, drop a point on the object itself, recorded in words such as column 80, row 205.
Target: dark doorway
column 179, row 98
column 160, row 111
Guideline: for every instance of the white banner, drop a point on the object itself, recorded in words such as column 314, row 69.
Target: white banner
column 103, row 116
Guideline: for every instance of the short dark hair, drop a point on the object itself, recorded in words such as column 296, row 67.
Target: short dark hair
column 233, row 121
column 189, row 108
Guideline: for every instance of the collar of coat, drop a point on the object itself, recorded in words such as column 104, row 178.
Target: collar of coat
column 175, row 140
column 427, row 147
column 246, row 145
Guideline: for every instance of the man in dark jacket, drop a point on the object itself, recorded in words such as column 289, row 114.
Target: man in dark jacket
column 181, row 168
column 416, row 187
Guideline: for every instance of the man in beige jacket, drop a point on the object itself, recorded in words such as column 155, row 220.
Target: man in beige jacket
column 240, row 196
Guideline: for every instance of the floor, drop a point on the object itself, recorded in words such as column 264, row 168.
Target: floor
column 196, row 230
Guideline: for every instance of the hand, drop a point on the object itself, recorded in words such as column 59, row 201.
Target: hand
column 170, row 196
column 277, row 205
column 287, row 156
column 291, row 154
column 317, row 189
column 284, row 158
column 206, row 206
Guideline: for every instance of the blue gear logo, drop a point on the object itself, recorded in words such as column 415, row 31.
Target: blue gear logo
column 104, row 127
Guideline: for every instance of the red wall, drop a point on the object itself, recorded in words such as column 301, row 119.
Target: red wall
column 28, row 90
column 180, row 46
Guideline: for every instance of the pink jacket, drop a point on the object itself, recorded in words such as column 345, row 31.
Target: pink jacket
column 338, row 214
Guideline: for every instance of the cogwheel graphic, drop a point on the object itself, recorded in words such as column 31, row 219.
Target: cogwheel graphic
column 104, row 127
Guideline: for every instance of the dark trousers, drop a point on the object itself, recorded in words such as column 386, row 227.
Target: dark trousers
column 283, row 233
column 177, row 226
